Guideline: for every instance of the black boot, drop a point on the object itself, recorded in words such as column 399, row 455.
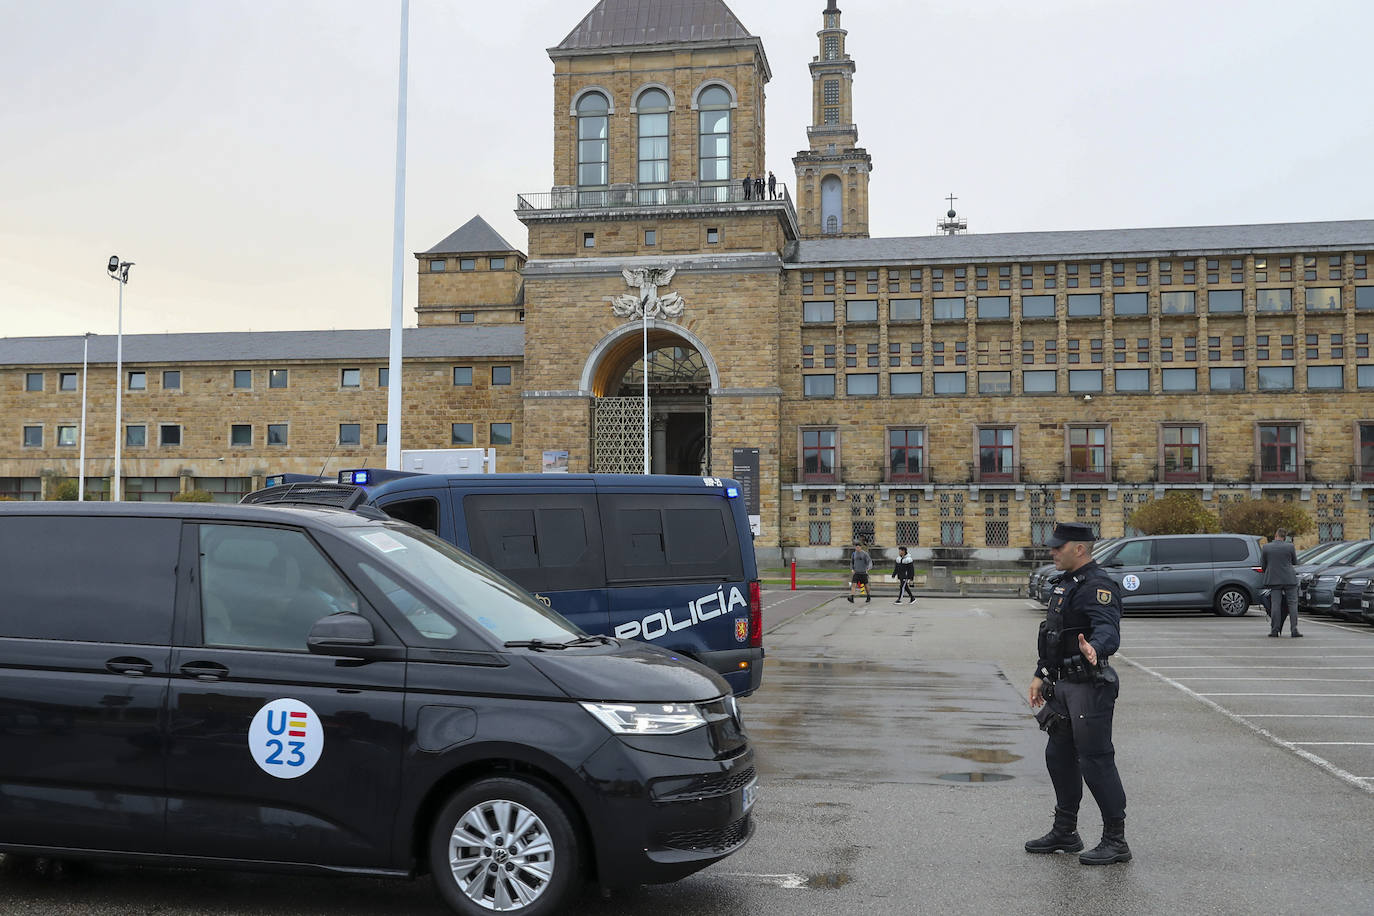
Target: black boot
column 1113, row 847
column 1063, row 838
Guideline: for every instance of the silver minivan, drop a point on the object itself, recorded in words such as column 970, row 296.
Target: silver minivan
column 1187, row 571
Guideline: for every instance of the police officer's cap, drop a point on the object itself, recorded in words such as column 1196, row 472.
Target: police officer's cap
column 1069, row 531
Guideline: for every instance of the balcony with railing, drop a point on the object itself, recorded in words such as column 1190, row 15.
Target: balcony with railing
column 1013, row 474
column 1362, row 473
column 1106, row 473
column 1173, row 473
column 639, row 197
column 1273, row 473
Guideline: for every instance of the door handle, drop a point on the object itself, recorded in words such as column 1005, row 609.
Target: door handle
column 129, row 666
column 205, row 671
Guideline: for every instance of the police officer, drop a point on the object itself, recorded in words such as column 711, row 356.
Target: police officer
column 1074, row 691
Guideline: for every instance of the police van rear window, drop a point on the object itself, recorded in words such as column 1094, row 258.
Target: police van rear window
column 669, row 537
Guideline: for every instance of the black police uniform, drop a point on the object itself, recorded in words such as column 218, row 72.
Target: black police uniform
column 1080, row 699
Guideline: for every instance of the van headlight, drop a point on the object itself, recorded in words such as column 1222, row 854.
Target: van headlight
column 646, row 718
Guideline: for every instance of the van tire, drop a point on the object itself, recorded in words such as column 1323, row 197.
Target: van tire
column 1232, row 601
column 486, row 811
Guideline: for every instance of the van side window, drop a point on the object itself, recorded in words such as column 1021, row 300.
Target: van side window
column 680, row 537
column 264, row 588
column 1230, row 550
column 1176, row 551
column 1136, row 553
column 544, row 541
column 90, row 579
column 422, row 513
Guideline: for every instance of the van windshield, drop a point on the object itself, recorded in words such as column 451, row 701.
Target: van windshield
column 468, row 589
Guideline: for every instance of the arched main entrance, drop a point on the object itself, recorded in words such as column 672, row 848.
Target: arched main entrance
column 681, row 376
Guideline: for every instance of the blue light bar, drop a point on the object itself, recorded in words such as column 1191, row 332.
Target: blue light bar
column 732, row 492
column 357, row 478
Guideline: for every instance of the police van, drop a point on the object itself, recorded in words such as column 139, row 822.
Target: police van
column 667, row 560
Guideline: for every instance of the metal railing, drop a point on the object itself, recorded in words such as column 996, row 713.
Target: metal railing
column 676, row 194
column 1362, row 472
column 1199, row 474
column 1259, row 473
column 977, row 475
column 1106, row 474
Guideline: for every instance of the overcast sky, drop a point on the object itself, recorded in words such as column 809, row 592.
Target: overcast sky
column 241, row 152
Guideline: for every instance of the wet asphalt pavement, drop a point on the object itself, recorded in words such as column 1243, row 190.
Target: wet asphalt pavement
column 901, row 771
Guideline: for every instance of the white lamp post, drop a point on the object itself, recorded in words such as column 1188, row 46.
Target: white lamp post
column 119, row 271
column 393, row 395
column 81, row 471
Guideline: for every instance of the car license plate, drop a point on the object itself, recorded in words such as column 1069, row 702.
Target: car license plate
column 1365, row 605
column 751, row 792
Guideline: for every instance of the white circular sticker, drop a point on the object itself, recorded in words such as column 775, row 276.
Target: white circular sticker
column 1130, row 583
column 286, row 738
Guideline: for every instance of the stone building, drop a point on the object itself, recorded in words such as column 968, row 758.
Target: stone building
column 956, row 393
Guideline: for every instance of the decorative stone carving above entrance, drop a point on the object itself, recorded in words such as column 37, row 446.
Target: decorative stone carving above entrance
column 648, row 303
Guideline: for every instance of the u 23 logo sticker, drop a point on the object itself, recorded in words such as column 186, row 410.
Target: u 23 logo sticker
column 286, row 738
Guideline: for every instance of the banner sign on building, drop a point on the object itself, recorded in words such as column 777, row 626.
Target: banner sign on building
column 745, row 469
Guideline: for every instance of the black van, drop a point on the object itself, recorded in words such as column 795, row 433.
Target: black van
column 664, row 559
column 334, row 691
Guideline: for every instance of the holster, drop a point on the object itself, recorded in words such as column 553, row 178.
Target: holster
column 1051, row 722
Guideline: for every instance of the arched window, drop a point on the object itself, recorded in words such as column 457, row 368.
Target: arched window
column 653, row 146
column 714, row 105
column 832, row 204
column 593, row 147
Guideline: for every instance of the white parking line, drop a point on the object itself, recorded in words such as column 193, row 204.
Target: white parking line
column 1266, row 678
column 1335, row 743
column 787, row 882
column 1303, row 715
column 1306, row 696
column 1250, row 667
column 1270, row 655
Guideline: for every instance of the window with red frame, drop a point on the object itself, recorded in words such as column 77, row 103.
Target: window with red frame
column 1279, row 452
column 1182, row 452
column 818, row 454
column 1366, row 469
column 1088, row 452
column 996, row 453
column 906, row 453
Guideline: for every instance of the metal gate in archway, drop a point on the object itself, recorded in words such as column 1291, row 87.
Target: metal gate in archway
column 618, row 435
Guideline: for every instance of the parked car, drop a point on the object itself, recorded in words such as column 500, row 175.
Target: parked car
column 1043, row 578
column 1367, row 604
column 1349, row 592
column 663, row 559
column 1187, row 571
column 332, row 691
column 1317, row 582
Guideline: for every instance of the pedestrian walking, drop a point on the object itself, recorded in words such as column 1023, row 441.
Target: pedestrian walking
column 772, row 186
column 748, row 186
column 1277, row 560
column 904, row 571
column 859, row 565
column 1074, row 691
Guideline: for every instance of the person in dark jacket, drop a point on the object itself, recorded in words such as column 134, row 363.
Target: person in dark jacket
column 748, row 186
column 1278, row 559
column 772, row 186
column 904, row 571
column 1075, row 691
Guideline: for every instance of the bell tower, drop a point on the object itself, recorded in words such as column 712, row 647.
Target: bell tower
column 832, row 176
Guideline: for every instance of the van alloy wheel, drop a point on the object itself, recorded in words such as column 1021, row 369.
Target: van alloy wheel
column 1232, row 602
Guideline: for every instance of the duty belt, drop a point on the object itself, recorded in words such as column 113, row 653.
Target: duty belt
column 1077, row 670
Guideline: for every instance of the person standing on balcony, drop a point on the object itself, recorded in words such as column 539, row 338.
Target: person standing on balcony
column 1278, row 559
column 859, row 565
column 772, row 186
column 758, row 188
column 748, row 186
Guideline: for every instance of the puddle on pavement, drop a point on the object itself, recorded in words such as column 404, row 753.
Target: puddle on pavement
column 975, row 777
column 829, row 881
column 986, row 755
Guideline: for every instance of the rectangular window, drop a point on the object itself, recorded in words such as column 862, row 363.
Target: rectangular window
column 1088, row 452
column 1329, row 378
column 33, row 381
column 1182, row 452
column 1225, row 301
column 350, row 378
column 1364, row 376
column 138, row 381
column 1178, row 379
column 818, row 533
column 278, row 378
column 1275, row 378
column 994, row 307
column 277, row 434
column 904, row 310
column 994, row 383
column 66, row 381
column 33, row 437
column 1227, row 379
column 241, row 435
column 171, row 380
column 713, row 237
column 950, row 308
column 1323, row 298
column 437, row 265
column 1085, row 381
column 381, row 434
column 1037, row 306
column 500, row 434
column 951, row 383
column 1184, row 303
column 1133, row 380
column 996, row 453
column 864, row 310
column 650, row 238
column 461, row 434
column 66, row 436
column 818, row 312
column 467, row 317
column 169, row 434
column 1040, row 381
column 906, row 451
column 1278, row 445
column 1274, row 300
column 1130, row 304
column 462, row 375
column 500, row 375
column 818, row 454
column 350, row 434
column 1085, row 305
column 818, row 386
column 467, row 264
column 905, row 383
column 1364, row 298
column 136, row 436
column 243, row 378
column 496, row 263
column 861, row 385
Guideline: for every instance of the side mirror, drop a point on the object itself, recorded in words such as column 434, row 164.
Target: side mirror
column 348, row 636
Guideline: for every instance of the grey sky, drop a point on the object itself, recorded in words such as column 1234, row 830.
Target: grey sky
column 241, row 152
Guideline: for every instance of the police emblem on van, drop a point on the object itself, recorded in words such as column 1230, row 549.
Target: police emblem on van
column 741, row 629
column 707, row 607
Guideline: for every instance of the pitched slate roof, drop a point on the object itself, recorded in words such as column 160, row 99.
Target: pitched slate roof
column 264, row 346
column 473, row 237
column 622, row 23
column 1007, row 246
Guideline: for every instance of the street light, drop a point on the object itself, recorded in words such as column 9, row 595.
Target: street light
column 119, row 271
column 81, row 471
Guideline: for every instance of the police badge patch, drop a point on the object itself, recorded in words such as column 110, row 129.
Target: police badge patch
column 741, row 629
column 1104, row 596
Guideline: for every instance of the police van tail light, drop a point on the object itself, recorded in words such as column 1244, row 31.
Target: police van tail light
column 755, row 615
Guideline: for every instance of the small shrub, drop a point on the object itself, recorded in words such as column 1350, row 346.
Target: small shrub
column 194, row 496
column 66, row 490
column 1264, row 516
column 1178, row 512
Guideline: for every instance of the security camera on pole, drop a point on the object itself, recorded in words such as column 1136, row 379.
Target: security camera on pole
column 119, row 271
